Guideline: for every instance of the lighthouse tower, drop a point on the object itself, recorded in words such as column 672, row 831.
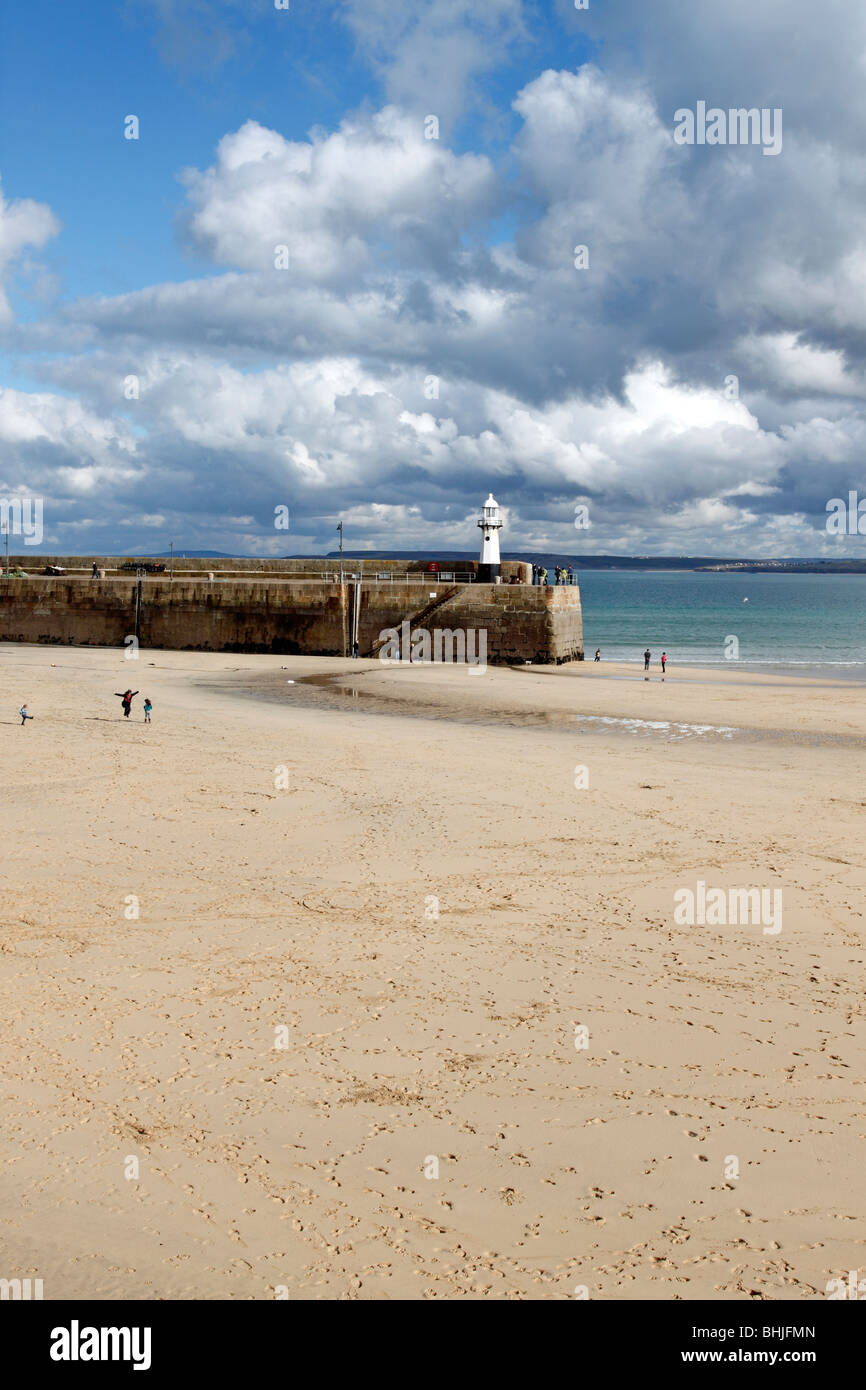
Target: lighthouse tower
column 491, row 524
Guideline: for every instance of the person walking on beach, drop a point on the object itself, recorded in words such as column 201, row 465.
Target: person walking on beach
column 647, row 657
column 664, row 659
column 24, row 715
column 597, row 656
column 126, row 700
column 147, row 708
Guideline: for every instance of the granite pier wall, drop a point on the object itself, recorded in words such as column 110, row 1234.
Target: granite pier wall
column 289, row 616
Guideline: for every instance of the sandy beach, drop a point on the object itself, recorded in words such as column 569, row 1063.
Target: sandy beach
column 323, row 995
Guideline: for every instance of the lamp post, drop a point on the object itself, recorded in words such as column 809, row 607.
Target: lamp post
column 340, row 529
column 171, row 562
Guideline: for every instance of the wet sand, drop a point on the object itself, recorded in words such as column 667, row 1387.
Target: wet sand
column 334, row 1053
column 504, row 698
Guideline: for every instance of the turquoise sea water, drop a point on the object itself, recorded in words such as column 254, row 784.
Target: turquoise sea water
column 790, row 622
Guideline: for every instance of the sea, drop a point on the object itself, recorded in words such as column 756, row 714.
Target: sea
column 796, row 624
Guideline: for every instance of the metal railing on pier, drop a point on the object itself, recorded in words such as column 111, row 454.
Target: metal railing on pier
column 281, row 576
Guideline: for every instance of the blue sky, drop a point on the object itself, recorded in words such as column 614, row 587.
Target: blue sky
column 71, row 74
column 413, row 259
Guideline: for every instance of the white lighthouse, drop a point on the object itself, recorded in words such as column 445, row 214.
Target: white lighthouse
column 491, row 524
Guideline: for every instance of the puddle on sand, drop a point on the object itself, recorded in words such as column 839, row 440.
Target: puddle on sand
column 674, row 731
column 329, row 691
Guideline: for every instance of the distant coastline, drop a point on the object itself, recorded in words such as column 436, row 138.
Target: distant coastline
column 694, row 564
column 698, row 564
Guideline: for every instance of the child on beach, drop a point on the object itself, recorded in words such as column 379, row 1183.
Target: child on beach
column 126, row 700
column 147, row 708
column 24, row 715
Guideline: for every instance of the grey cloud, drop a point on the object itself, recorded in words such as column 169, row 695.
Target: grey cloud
column 430, row 53
column 555, row 383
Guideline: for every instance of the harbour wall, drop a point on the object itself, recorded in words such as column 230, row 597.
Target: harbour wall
column 230, row 567
column 312, row 617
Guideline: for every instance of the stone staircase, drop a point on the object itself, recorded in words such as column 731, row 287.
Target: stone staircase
column 419, row 618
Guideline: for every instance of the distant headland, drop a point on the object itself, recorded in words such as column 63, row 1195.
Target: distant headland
column 698, row 563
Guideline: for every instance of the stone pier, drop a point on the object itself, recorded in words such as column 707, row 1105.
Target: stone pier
column 288, row 611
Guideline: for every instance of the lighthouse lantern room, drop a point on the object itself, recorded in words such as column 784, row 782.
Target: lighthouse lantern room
column 491, row 524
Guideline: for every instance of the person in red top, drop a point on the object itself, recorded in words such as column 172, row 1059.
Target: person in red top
column 126, row 700
column 664, row 659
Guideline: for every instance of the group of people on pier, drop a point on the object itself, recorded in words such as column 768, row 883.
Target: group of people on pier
column 564, row 574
